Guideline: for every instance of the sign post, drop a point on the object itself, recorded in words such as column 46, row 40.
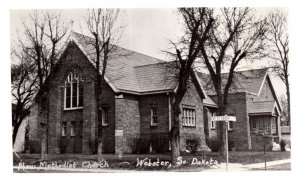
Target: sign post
column 225, row 119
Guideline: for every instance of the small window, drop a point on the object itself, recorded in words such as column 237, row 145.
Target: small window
column 64, row 129
column 213, row 123
column 154, row 117
column 189, row 117
column 261, row 124
column 104, row 115
column 267, row 125
column 230, row 125
column 253, row 124
column 73, row 128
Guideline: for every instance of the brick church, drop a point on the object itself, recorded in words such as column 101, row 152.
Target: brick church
column 253, row 100
column 136, row 104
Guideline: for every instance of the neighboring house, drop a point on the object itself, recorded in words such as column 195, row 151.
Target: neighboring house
column 136, row 103
column 252, row 99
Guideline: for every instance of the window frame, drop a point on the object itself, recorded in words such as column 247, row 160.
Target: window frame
column 153, row 116
column 261, row 124
column 72, row 129
column 213, row 124
column 104, row 116
column 230, row 128
column 267, row 125
column 254, row 121
column 188, row 117
column 73, row 78
column 64, row 129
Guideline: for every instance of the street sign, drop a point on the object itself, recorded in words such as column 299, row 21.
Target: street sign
column 223, row 118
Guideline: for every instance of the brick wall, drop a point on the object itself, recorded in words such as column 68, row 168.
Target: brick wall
column 209, row 132
column 127, row 124
column 193, row 99
column 240, row 135
column 161, row 103
column 73, row 58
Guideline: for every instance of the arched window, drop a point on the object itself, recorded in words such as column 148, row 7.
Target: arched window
column 73, row 91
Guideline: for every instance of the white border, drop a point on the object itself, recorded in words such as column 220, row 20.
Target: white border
column 6, row 153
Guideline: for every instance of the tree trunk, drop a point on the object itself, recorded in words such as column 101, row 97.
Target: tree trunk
column 174, row 133
column 98, row 93
column 221, row 130
column 15, row 132
column 288, row 100
column 175, row 145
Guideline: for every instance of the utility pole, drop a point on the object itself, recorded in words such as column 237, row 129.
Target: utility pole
column 226, row 136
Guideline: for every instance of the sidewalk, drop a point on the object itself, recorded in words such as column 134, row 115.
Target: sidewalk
column 241, row 167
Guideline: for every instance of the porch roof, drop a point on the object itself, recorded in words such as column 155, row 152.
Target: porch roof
column 262, row 107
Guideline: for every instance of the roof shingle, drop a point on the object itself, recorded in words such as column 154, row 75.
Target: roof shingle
column 120, row 69
column 261, row 107
column 243, row 81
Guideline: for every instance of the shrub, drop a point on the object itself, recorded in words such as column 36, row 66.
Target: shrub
column 214, row 144
column 282, row 145
column 159, row 143
column 140, row 145
column 34, row 146
column 192, row 146
column 63, row 145
column 93, row 144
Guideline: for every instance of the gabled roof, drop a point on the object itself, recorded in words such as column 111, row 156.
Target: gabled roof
column 209, row 102
column 250, row 81
column 129, row 71
column 154, row 77
column 260, row 107
column 243, row 81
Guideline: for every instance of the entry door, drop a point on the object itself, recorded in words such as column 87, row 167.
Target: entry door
column 77, row 126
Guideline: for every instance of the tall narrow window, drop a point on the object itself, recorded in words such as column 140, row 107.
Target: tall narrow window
column 213, row 123
column 73, row 128
column 154, row 117
column 253, row 123
column 104, row 116
column 230, row 125
column 73, row 91
column 267, row 125
column 189, row 117
column 64, row 129
column 261, row 123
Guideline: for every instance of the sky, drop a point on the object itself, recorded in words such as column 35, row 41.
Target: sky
column 146, row 30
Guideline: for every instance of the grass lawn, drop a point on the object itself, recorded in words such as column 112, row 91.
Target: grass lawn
column 284, row 166
column 250, row 157
column 129, row 161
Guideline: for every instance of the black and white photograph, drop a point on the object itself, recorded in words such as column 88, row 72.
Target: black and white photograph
column 203, row 88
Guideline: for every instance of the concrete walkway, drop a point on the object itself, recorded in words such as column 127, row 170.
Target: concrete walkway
column 241, row 167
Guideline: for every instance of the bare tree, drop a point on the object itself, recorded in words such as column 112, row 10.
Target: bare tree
column 42, row 32
column 236, row 36
column 57, row 27
column 284, row 114
column 34, row 44
column 102, row 25
column 197, row 25
column 279, row 49
column 23, row 88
